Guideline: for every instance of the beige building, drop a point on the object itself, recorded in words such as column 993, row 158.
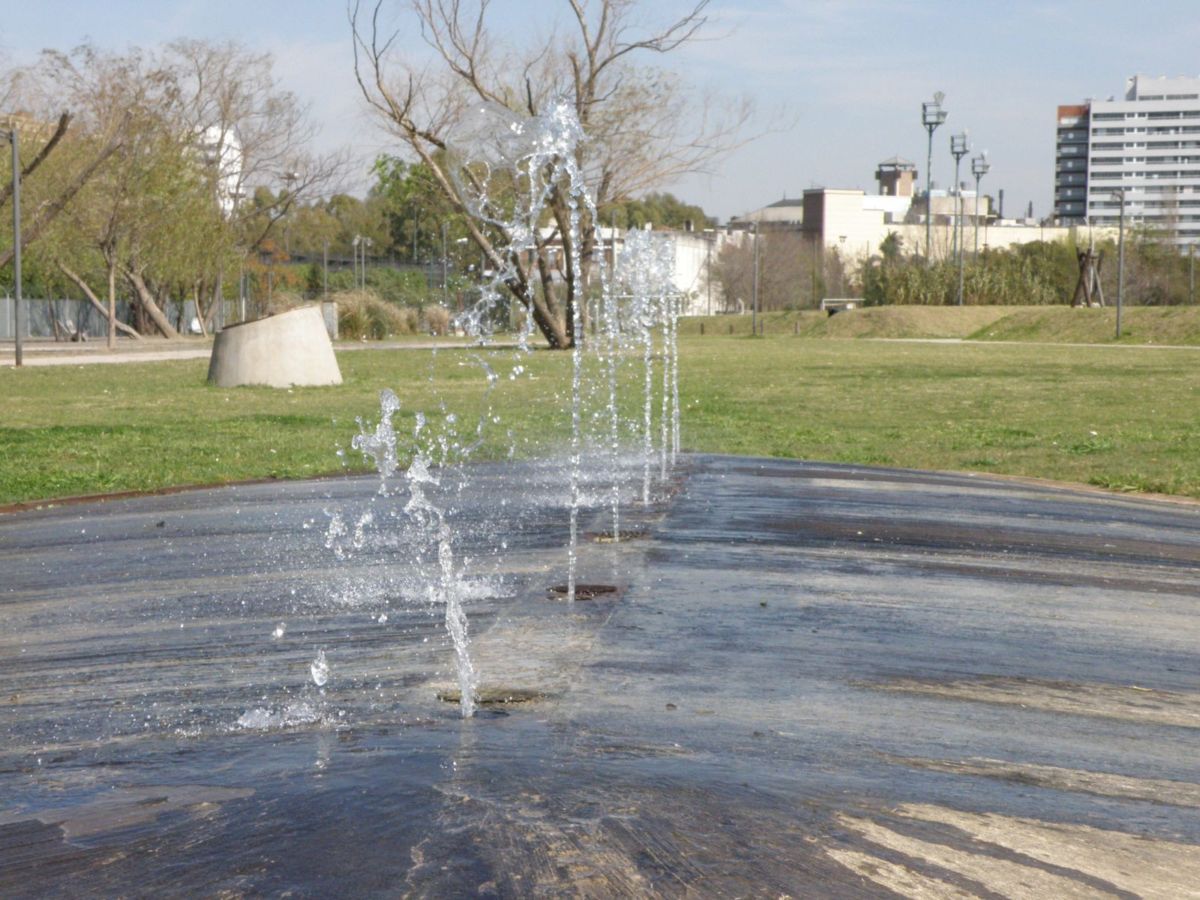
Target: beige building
column 855, row 223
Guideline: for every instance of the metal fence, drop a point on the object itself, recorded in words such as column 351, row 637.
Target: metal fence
column 67, row 319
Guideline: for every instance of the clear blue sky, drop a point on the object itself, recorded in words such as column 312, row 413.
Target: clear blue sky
column 838, row 83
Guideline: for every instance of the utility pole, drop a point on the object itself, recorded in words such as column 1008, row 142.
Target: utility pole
column 1120, row 195
column 325, row 271
column 613, row 246
column 708, row 269
column 14, row 139
column 932, row 115
column 445, row 261
column 754, row 307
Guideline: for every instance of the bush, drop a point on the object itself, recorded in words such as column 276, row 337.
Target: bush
column 362, row 315
column 282, row 301
column 437, row 320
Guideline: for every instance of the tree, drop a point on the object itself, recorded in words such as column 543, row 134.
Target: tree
column 636, row 120
column 790, row 272
column 72, row 166
column 660, row 210
column 415, row 207
column 201, row 126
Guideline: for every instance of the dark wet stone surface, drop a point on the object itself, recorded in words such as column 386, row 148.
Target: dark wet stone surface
column 820, row 680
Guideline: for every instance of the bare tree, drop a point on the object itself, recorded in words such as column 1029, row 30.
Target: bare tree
column 640, row 123
column 254, row 133
column 792, row 271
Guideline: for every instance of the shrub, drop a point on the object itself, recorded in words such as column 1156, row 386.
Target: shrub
column 437, row 320
column 282, row 301
column 362, row 315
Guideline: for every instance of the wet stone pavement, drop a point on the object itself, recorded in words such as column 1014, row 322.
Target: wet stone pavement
column 814, row 681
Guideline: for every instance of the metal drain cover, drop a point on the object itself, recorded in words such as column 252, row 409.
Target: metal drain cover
column 583, row 591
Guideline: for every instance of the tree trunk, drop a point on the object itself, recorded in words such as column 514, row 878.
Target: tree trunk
column 109, row 313
column 216, row 308
column 148, row 305
column 112, row 305
column 201, row 314
column 548, row 325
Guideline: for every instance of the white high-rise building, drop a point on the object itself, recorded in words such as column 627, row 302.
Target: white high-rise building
column 1147, row 144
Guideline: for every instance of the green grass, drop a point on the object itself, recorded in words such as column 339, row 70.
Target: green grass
column 1118, row 417
column 1049, row 324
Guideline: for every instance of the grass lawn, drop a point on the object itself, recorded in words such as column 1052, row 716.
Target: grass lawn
column 1120, row 417
column 1050, row 324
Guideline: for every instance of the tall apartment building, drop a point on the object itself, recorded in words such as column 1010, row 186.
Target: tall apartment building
column 1148, row 143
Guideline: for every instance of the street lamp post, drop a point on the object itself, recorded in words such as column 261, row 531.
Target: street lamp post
column 354, row 247
column 13, row 138
column 932, row 115
column 754, row 307
column 979, row 167
column 291, row 178
column 1119, row 194
column 445, row 263
column 959, row 147
column 1191, row 273
column 707, row 267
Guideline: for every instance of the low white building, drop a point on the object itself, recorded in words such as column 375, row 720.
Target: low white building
column 856, row 223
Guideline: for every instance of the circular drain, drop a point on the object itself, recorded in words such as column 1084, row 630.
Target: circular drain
column 582, row 591
column 606, row 537
column 495, row 696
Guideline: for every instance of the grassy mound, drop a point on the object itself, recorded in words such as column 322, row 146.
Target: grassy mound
column 1061, row 324
column 1043, row 324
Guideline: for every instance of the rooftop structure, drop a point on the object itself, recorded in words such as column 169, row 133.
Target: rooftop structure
column 897, row 177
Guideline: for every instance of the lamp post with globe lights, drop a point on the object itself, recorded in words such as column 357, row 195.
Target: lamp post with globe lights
column 979, row 167
column 932, row 115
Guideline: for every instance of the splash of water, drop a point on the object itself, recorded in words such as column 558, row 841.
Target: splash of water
column 319, row 670
column 534, row 157
column 647, row 262
column 434, row 536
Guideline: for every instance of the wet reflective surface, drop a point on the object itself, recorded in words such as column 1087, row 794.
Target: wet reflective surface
column 814, row 680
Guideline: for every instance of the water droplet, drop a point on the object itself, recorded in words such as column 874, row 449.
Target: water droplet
column 319, row 669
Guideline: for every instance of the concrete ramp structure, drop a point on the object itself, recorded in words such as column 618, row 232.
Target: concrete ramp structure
column 285, row 350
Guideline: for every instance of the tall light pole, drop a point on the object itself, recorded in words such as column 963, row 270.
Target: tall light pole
column 445, row 263
column 1119, row 194
column 354, row 247
column 932, row 115
column 366, row 242
column 291, row 178
column 754, row 307
column 979, row 167
column 960, row 146
column 14, row 139
column 707, row 267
